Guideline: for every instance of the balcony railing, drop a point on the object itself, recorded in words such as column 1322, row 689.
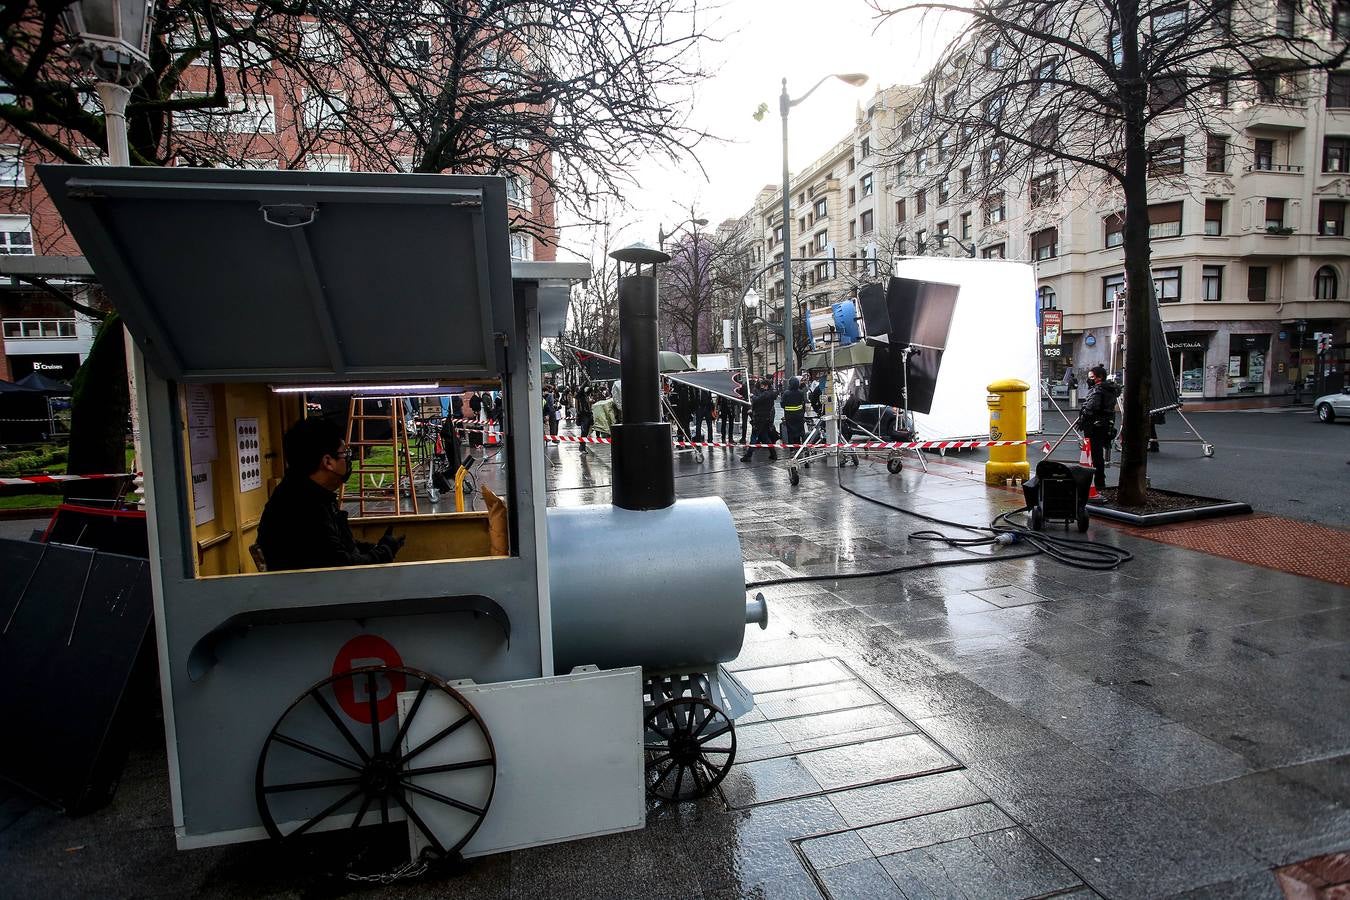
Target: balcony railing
column 39, row 329
column 1272, row 167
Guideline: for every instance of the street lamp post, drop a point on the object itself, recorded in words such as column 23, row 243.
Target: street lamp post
column 114, row 46
column 785, row 104
column 662, row 235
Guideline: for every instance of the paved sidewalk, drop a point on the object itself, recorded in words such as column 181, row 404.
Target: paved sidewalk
column 1009, row 728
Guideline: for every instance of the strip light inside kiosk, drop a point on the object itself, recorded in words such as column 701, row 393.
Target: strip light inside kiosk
column 353, row 388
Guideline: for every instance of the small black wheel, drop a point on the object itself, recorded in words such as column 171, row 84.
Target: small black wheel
column 690, row 746
column 894, row 465
column 793, row 476
column 1082, row 522
column 1037, row 519
column 336, row 755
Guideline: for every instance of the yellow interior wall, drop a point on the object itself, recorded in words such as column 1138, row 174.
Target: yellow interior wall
column 222, row 544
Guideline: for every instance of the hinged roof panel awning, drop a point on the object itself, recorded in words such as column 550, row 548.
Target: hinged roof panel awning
column 229, row 275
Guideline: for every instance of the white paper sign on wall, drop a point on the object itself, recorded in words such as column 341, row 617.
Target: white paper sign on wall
column 248, row 450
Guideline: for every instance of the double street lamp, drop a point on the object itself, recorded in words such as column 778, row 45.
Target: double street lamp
column 785, row 104
column 662, row 235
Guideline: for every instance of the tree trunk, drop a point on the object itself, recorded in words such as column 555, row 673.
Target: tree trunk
column 1138, row 275
column 99, row 409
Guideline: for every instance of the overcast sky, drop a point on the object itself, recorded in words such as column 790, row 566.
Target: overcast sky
column 764, row 41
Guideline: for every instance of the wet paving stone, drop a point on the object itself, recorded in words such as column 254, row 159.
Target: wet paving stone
column 1007, row 595
column 910, row 797
column 1004, row 865
column 795, row 675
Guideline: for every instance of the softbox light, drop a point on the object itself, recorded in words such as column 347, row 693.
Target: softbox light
column 918, row 319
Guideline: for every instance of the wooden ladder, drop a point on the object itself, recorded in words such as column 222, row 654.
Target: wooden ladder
column 366, row 492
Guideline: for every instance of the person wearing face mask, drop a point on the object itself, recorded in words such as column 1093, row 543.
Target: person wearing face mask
column 1097, row 419
column 303, row 526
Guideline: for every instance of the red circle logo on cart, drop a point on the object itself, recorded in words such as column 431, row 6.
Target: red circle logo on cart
column 354, row 694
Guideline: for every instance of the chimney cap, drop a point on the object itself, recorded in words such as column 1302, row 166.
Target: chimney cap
column 640, row 254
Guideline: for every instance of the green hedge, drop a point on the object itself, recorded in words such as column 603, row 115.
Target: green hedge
column 32, row 462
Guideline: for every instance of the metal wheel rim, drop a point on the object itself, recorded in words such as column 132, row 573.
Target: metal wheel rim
column 680, row 764
column 360, row 776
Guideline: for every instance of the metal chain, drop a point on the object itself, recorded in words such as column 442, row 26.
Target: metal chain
column 414, row 868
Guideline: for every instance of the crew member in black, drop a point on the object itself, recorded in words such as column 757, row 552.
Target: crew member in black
column 793, row 402
column 302, row 526
column 761, row 415
column 1097, row 418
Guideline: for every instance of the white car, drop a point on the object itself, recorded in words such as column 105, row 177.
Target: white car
column 1329, row 406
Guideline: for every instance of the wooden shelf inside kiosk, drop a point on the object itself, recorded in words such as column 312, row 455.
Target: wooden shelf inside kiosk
column 232, row 443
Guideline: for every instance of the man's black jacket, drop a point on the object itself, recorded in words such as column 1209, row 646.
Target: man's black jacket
column 761, row 406
column 1099, row 409
column 794, row 404
column 303, row 528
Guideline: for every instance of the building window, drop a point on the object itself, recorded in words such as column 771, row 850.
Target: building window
column 12, row 174
column 852, row 196
column 900, row 211
column 415, row 50
column 1214, row 216
column 522, row 246
column 1114, row 227
column 1284, row 18
column 821, row 208
column 1340, row 21
column 822, row 237
column 1216, row 153
column 1325, row 284
column 517, row 189
column 16, row 236
column 319, row 44
column 327, row 162
column 1267, row 86
column 993, row 107
column 965, row 226
column 1164, row 220
column 965, row 179
column 866, row 147
column 944, row 148
column 920, row 202
column 866, row 220
column 1263, row 154
column 1165, row 157
column 921, row 161
column 901, row 247
column 921, row 240
column 1045, row 74
column 1218, row 86
column 1331, row 218
column 1211, row 283
column 906, row 130
column 866, row 184
column 822, row 272
column 1256, row 283
column 1113, row 287
column 994, row 211
column 993, row 159
column 994, row 252
column 777, row 236
column 243, row 114
column 1336, row 153
column 1044, row 188
column 1274, row 213
column 1045, row 130
column 993, row 56
column 1167, row 285
column 1166, row 93
column 852, row 229
column 944, row 190
column 943, row 229
column 324, row 111
column 1045, row 295
column 1045, row 244
column 852, row 165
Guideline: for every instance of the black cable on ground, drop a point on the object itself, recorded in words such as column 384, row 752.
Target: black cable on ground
column 1076, row 552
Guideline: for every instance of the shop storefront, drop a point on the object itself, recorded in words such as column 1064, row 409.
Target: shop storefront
column 1246, row 370
column 1187, row 350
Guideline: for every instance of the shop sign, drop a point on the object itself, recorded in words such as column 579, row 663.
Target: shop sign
column 1188, row 344
column 1090, row 340
column 1052, row 327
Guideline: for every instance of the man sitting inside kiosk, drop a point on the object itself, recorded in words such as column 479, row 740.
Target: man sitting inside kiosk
column 302, row 526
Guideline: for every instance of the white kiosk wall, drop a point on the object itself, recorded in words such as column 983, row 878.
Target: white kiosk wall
column 993, row 336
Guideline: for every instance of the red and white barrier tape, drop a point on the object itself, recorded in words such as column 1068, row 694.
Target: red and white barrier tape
column 57, row 479
column 861, row 445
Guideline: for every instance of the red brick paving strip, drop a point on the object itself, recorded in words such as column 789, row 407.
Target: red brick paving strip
column 1320, row 878
column 1272, row 542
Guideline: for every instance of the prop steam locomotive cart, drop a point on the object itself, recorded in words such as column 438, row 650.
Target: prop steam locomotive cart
column 306, row 701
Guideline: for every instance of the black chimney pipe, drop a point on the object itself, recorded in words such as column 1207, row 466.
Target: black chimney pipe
column 644, row 468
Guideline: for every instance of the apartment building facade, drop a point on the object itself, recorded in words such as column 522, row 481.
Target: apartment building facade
column 840, row 226
column 279, row 126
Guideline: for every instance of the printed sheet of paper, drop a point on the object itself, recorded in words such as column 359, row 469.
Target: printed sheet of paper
column 203, row 495
column 201, row 423
column 248, row 447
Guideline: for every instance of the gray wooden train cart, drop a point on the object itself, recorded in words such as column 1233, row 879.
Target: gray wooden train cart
column 307, row 701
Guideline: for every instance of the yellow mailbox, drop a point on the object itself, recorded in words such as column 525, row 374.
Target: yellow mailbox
column 1007, row 422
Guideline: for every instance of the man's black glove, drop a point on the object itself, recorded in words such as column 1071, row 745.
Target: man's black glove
column 391, row 542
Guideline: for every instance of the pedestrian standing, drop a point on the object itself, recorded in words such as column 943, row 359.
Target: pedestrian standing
column 703, row 412
column 1097, row 418
column 728, row 411
column 475, row 428
column 584, row 419
column 794, row 412
column 761, row 406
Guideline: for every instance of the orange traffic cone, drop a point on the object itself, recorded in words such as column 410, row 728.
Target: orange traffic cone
column 1085, row 460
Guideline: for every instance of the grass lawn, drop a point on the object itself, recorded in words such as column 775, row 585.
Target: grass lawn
column 43, row 499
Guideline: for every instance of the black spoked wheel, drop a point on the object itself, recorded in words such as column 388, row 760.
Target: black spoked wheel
column 339, row 758
column 894, row 465
column 690, row 747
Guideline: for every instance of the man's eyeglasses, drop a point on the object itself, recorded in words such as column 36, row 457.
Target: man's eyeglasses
column 343, row 454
